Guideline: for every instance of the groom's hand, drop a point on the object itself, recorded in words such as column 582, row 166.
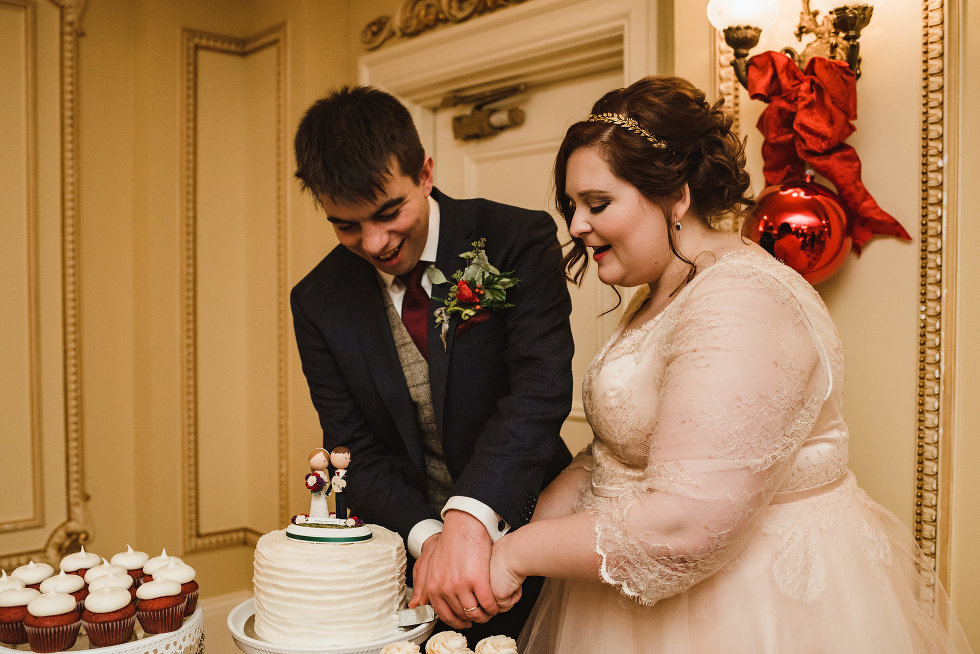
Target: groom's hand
column 457, row 571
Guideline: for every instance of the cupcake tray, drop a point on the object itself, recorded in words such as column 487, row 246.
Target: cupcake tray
column 241, row 625
column 189, row 639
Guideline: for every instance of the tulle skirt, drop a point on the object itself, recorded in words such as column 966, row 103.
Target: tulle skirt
column 833, row 573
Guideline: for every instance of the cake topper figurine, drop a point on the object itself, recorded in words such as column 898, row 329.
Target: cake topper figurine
column 319, row 525
column 318, row 483
column 340, row 459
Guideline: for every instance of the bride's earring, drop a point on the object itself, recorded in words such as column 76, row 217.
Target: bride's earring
column 677, row 224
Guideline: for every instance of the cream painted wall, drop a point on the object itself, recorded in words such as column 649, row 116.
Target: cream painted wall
column 131, row 250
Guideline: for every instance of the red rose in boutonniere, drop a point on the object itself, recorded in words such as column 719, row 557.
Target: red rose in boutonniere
column 464, row 293
column 479, row 288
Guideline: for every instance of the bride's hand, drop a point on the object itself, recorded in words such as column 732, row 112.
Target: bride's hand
column 505, row 582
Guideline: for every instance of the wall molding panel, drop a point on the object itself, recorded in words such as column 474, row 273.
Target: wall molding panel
column 937, row 285
column 207, row 396
column 19, row 349
column 51, row 32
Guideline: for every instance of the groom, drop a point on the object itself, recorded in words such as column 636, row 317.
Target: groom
column 454, row 433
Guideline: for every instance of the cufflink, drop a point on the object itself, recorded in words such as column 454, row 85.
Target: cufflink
column 501, row 525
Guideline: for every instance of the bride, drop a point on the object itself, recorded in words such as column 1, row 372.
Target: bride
column 714, row 510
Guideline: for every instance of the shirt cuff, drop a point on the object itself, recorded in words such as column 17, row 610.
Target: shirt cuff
column 420, row 533
column 496, row 526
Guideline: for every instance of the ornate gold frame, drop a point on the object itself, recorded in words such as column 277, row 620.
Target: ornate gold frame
column 36, row 519
column 194, row 42
column 73, row 531
column 937, row 266
column 416, row 16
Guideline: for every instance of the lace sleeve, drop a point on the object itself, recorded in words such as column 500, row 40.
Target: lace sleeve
column 734, row 387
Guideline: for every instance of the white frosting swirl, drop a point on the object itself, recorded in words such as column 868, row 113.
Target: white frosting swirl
column 52, row 603
column 105, row 568
column 446, row 642
column 6, row 583
column 130, row 559
column 106, row 599
column 497, row 645
column 159, row 561
column 33, row 573
column 158, row 588
column 112, row 580
column 175, row 571
column 401, row 647
column 18, row 596
column 63, row 583
column 79, row 560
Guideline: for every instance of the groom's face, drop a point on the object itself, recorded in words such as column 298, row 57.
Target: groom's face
column 389, row 232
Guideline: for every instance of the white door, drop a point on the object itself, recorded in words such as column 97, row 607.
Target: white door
column 515, row 167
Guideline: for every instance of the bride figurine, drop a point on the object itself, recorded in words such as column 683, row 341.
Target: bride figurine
column 318, row 483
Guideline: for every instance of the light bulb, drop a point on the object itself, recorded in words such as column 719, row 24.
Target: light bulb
column 736, row 13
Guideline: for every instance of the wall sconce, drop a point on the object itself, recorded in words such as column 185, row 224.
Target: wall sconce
column 837, row 31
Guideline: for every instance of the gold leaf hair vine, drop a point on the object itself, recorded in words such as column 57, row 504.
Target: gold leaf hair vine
column 630, row 124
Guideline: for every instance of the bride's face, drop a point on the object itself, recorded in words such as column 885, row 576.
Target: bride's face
column 625, row 233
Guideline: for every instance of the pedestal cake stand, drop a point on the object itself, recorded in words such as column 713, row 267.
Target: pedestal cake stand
column 242, row 617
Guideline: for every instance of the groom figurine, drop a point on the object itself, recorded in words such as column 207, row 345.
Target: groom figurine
column 455, row 431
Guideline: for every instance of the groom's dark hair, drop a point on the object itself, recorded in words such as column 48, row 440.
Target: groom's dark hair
column 346, row 141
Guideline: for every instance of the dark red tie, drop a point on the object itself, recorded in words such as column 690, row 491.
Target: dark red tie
column 415, row 307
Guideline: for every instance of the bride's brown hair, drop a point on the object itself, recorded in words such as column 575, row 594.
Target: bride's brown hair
column 701, row 151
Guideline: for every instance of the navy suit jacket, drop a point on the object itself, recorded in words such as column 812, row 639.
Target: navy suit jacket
column 501, row 388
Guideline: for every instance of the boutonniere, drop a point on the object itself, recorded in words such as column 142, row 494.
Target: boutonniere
column 479, row 288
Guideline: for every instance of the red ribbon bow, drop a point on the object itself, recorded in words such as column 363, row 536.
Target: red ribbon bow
column 807, row 120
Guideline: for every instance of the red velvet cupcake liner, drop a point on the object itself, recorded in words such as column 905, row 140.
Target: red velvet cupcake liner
column 13, row 633
column 52, row 639
column 164, row 620
column 191, row 602
column 113, row 632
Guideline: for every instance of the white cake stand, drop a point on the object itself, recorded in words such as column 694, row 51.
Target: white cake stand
column 240, row 625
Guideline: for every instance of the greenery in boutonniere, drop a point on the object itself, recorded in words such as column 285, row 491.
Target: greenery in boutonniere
column 479, row 287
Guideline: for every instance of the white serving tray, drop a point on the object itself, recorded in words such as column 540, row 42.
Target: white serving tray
column 189, row 639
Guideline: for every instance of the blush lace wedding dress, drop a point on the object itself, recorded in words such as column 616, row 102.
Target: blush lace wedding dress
column 726, row 517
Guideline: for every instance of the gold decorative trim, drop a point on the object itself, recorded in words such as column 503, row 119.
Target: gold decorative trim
column 728, row 86
column 194, row 42
column 936, row 289
column 416, row 16
column 74, row 530
column 36, row 519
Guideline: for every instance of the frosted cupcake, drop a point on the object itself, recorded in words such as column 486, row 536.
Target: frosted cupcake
column 132, row 560
column 6, row 583
column 115, row 580
column 104, row 568
column 156, row 562
column 13, row 610
column 184, row 575
column 160, row 606
column 401, row 647
column 497, row 645
column 447, row 642
column 79, row 562
column 33, row 573
column 66, row 583
column 52, row 622
column 109, row 616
